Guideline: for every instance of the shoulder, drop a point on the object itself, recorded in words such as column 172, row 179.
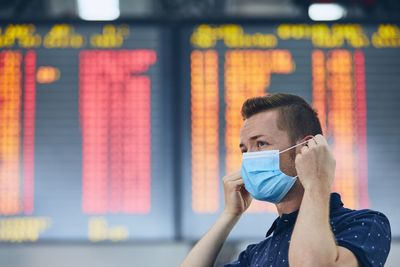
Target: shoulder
column 340, row 214
column 372, row 217
column 364, row 232
column 360, row 224
column 363, row 218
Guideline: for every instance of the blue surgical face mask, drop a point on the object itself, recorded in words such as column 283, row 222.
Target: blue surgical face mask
column 262, row 176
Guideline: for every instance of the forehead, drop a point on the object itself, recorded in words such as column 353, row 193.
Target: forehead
column 263, row 123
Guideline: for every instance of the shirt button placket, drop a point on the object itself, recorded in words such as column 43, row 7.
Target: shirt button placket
column 273, row 251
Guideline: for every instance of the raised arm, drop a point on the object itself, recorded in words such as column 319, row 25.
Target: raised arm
column 312, row 242
column 237, row 200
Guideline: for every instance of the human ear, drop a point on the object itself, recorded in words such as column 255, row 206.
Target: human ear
column 303, row 140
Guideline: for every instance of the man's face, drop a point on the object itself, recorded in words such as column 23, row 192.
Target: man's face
column 260, row 132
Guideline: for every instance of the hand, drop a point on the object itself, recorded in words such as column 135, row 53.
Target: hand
column 315, row 164
column 237, row 199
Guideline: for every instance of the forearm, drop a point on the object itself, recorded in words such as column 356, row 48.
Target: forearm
column 312, row 242
column 204, row 253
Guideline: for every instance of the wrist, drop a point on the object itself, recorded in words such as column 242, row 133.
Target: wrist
column 231, row 215
column 317, row 197
column 317, row 188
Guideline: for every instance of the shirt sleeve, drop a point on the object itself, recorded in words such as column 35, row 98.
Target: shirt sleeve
column 244, row 258
column 368, row 236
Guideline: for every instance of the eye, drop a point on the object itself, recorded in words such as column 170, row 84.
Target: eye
column 261, row 144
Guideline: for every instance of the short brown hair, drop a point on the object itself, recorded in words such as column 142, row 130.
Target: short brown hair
column 296, row 116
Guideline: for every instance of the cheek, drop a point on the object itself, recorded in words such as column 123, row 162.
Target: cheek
column 287, row 165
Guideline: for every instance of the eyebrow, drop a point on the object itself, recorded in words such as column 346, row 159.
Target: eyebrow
column 256, row 136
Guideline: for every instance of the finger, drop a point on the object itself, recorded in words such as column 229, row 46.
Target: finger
column 311, row 143
column 320, row 140
column 244, row 191
column 234, row 182
column 298, row 157
column 238, row 185
column 230, row 178
column 245, row 195
column 304, row 149
column 233, row 176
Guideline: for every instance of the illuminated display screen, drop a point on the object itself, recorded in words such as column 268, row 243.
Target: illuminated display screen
column 83, row 147
column 123, row 131
column 350, row 74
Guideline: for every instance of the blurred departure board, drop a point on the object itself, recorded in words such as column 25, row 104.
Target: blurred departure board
column 350, row 74
column 83, row 148
column 97, row 145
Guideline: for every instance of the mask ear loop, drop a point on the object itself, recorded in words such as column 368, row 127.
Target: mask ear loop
column 287, row 149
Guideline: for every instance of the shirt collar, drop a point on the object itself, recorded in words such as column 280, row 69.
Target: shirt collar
column 287, row 220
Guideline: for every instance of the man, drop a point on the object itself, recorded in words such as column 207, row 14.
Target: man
column 287, row 161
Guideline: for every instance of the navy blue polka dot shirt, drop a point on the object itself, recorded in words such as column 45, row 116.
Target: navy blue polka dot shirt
column 364, row 232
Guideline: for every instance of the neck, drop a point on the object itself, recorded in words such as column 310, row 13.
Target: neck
column 292, row 201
